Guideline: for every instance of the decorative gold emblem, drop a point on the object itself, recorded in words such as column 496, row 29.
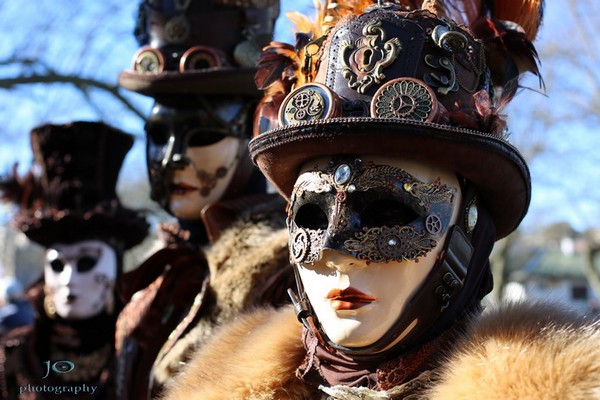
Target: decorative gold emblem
column 308, row 103
column 148, row 60
column 406, row 98
column 449, row 40
column 369, row 55
column 177, row 29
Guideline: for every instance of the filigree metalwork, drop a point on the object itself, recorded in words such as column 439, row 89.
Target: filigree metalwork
column 368, row 56
column 331, row 192
column 396, row 243
column 445, row 77
column 449, row 40
column 429, row 193
column 404, row 98
column 305, row 245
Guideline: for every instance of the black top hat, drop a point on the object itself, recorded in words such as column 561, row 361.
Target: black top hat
column 69, row 194
column 199, row 46
column 393, row 80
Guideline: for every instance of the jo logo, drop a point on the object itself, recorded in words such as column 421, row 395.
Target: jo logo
column 60, row 367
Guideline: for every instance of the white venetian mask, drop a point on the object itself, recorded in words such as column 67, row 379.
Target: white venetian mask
column 80, row 277
column 357, row 300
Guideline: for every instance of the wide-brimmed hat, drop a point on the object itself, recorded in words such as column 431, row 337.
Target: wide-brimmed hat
column 69, row 194
column 409, row 83
column 205, row 47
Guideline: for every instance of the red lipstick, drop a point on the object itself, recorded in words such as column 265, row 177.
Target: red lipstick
column 182, row 187
column 348, row 299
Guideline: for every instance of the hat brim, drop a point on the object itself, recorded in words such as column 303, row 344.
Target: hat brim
column 226, row 81
column 125, row 226
column 496, row 168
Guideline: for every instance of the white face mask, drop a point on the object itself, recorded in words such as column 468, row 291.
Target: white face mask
column 357, row 301
column 205, row 178
column 80, row 278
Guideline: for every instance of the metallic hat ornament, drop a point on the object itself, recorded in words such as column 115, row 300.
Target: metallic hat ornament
column 424, row 82
column 199, row 46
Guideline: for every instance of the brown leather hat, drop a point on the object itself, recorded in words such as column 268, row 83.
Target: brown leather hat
column 69, row 194
column 199, row 46
column 391, row 81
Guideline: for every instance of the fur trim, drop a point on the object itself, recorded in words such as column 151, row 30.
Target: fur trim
column 247, row 255
column 254, row 358
column 249, row 266
column 517, row 351
column 524, row 351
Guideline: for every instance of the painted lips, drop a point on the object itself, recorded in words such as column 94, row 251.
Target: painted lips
column 181, row 188
column 348, row 299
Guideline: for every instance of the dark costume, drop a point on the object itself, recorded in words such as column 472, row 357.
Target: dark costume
column 234, row 255
column 68, row 197
column 403, row 83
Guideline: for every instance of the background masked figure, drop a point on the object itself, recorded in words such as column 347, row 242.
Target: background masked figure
column 197, row 62
column 384, row 134
column 68, row 204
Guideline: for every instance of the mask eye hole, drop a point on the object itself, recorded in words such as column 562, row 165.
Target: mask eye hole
column 203, row 138
column 311, row 216
column 387, row 212
column 86, row 263
column 158, row 134
column 57, row 265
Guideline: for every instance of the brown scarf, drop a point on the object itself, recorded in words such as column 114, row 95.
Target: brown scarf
column 332, row 368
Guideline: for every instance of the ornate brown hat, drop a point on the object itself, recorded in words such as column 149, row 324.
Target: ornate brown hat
column 392, row 79
column 199, row 46
column 69, row 193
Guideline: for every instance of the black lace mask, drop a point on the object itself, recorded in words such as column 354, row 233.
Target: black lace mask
column 372, row 212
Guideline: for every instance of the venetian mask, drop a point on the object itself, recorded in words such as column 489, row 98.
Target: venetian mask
column 365, row 233
column 193, row 151
column 80, row 277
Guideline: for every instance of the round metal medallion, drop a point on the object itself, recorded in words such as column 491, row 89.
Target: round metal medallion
column 389, row 244
column 177, row 29
column 247, row 53
column 310, row 102
column 148, row 60
column 404, row 98
column 199, row 58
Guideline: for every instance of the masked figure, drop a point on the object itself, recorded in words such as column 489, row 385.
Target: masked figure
column 383, row 133
column 68, row 205
column 197, row 62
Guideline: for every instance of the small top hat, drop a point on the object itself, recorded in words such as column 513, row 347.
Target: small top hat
column 205, row 47
column 69, row 194
column 392, row 80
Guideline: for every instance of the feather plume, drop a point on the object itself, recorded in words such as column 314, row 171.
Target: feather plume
column 21, row 191
column 527, row 14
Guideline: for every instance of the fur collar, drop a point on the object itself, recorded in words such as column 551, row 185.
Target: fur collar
column 517, row 351
column 249, row 266
column 524, row 351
